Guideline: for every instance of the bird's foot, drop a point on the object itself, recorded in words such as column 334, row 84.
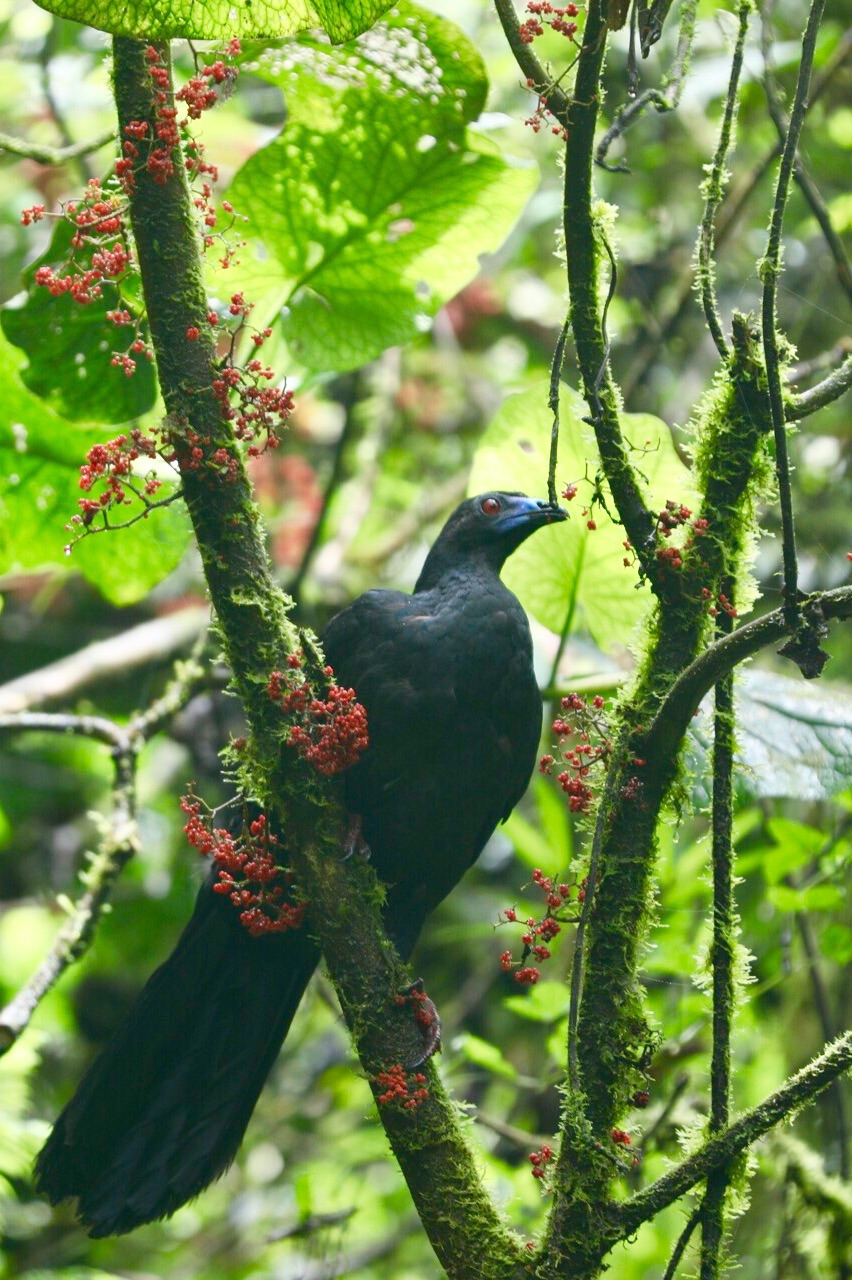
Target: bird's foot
column 353, row 841
column 426, row 1019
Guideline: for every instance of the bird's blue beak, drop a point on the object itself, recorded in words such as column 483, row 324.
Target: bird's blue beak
column 530, row 513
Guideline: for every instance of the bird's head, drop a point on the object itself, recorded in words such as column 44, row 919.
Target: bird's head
column 487, row 528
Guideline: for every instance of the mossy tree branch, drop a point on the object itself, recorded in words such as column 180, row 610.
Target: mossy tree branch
column 257, row 634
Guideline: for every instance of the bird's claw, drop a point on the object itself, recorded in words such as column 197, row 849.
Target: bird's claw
column 426, row 1018
column 353, row 841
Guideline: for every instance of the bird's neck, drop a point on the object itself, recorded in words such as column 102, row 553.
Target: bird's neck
column 445, row 568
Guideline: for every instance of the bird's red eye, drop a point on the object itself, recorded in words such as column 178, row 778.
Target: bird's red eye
column 490, row 506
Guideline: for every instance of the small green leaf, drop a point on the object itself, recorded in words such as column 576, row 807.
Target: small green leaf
column 69, row 347
column 545, row 1002
column 795, row 845
column 817, row 897
column 220, row 19
column 484, row 1054
column 835, row 942
column 570, row 568
column 375, row 204
column 40, row 456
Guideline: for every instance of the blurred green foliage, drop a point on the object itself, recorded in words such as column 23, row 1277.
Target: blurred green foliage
column 383, row 449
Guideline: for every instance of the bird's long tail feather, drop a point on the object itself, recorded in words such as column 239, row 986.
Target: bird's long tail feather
column 162, row 1111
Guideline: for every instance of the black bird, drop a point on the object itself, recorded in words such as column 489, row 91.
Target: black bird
column 454, row 717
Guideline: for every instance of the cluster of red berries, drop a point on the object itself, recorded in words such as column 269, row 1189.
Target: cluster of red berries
column 98, row 217
column 724, row 604
column 209, row 84
column 675, row 516
column 247, row 869
column 540, row 1161
column 543, row 116
column 258, row 411
column 113, row 463
column 100, row 254
column 582, row 757
column 539, row 932
column 400, row 1087
column 197, row 95
column 544, row 14
column 100, row 245
column 330, row 732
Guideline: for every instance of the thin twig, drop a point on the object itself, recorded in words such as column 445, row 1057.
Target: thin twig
column 682, row 1241
column 120, row 655
column 648, row 344
column 714, row 189
column 798, row 1091
column 665, row 98
column 833, row 358
column 519, row 1138
column 836, row 1094
column 54, row 155
column 824, row 393
column 553, row 402
column 661, row 1120
column 770, row 272
column 804, row 181
column 119, row 841
column 335, row 476
column 722, row 953
column 96, row 727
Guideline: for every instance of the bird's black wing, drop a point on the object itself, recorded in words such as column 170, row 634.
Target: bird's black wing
column 453, row 719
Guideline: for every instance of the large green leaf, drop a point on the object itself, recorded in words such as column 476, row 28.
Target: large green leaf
column 571, row 568
column 220, row 19
column 375, row 203
column 794, row 740
column 40, row 456
column 795, row 736
column 68, row 347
